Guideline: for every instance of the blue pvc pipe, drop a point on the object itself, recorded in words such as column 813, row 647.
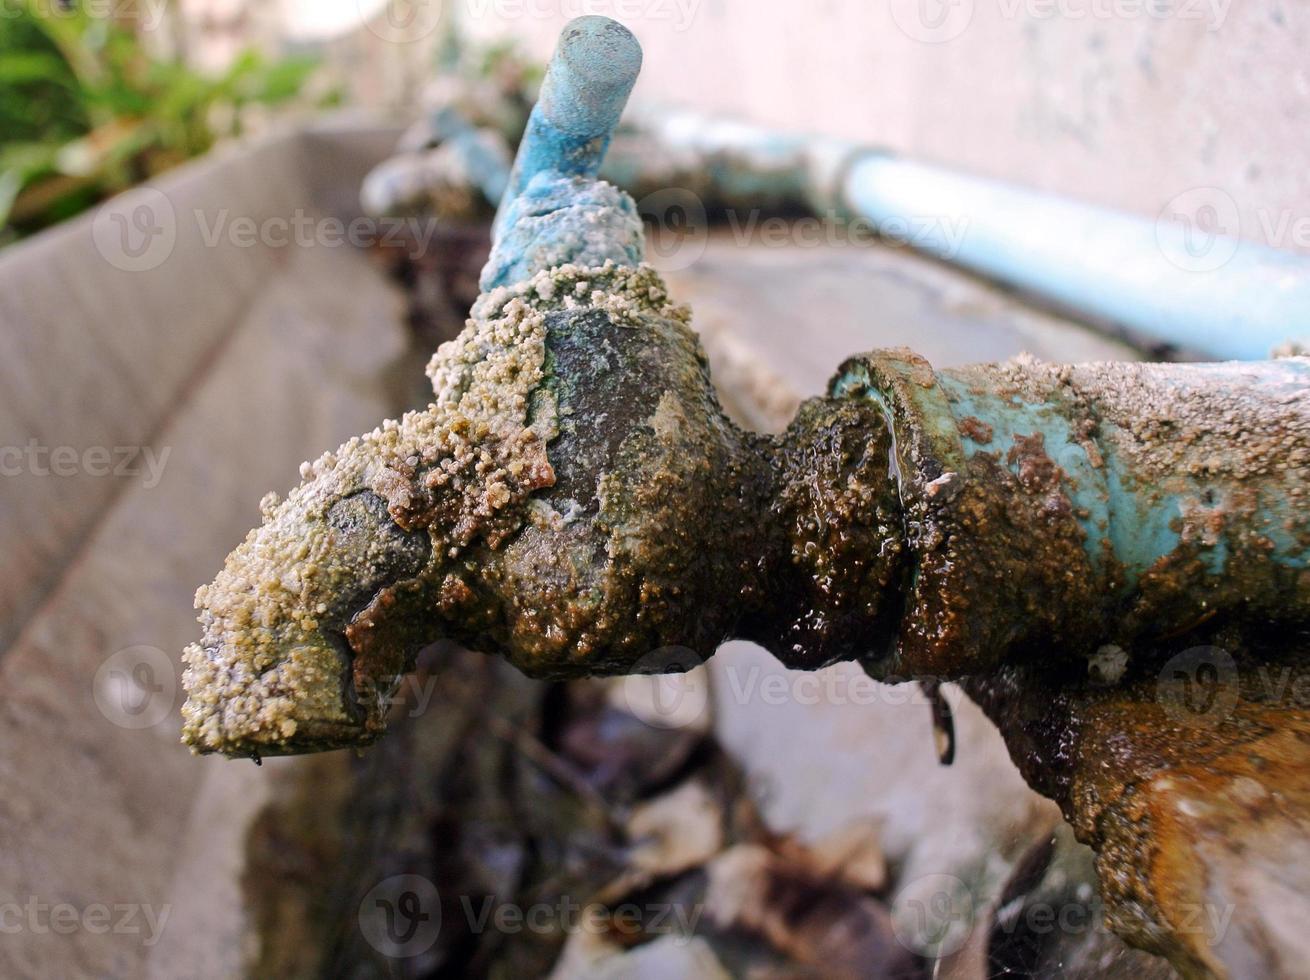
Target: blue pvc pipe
column 1191, row 287
column 1203, row 292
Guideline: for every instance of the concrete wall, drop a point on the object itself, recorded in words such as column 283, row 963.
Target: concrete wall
column 1129, row 103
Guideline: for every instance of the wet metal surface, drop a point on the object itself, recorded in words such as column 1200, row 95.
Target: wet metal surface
column 576, row 500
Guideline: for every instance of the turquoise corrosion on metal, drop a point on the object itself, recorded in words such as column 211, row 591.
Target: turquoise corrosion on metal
column 486, row 168
column 586, row 87
column 1106, row 492
column 560, row 221
column 555, row 211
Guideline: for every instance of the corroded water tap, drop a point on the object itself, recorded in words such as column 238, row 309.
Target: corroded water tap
column 575, row 498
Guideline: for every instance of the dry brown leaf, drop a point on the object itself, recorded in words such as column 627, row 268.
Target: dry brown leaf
column 676, row 831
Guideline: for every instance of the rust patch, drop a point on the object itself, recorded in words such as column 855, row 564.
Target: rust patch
column 972, row 427
column 1189, row 784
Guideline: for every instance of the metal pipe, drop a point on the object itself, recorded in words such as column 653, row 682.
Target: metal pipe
column 1066, row 507
column 1192, row 288
column 1189, row 287
column 575, row 499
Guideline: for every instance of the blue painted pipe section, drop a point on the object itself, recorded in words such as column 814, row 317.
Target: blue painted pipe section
column 582, row 97
column 1167, row 280
column 485, row 161
column 1043, row 501
column 480, row 151
column 1178, row 280
column 555, row 212
column 1136, row 518
column 559, row 221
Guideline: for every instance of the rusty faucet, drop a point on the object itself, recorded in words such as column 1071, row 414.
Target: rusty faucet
column 575, row 498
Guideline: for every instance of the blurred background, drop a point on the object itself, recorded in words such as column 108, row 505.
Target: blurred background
column 1125, row 103
column 195, row 297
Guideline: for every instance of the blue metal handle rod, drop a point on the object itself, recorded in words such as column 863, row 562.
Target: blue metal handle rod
column 586, row 87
